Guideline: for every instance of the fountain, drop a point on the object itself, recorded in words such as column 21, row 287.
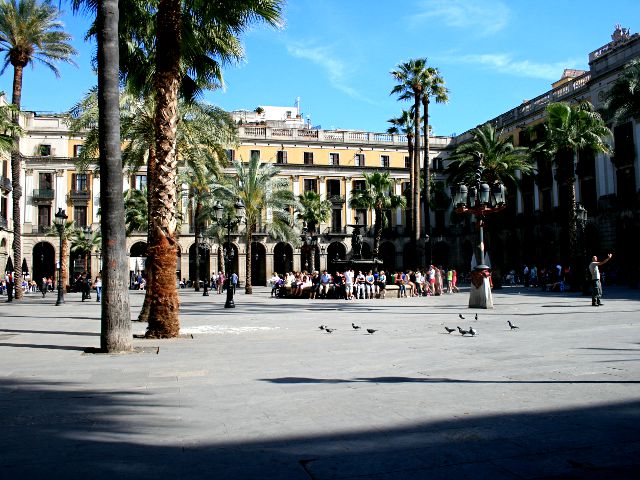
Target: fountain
column 356, row 262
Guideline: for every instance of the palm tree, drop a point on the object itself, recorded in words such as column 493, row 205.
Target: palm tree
column 500, row 159
column 262, row 191
column 213, row 31
column 29, row 32
column 377, row 196
column 623, row 100
column 571, row 129
column 83, row 245
column 314, row 211
column 433, row 87
column 409, row 76
column 404, row 125
column 136, row 212
column 8, row 129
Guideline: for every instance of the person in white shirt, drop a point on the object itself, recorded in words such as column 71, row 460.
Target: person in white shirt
column 595, row 279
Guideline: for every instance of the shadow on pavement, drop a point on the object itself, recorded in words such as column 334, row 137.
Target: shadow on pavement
column 61, row 430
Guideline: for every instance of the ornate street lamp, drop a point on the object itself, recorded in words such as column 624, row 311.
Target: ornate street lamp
column 479, row 199
column 581, row 222
column 229, row 222
column 59, row 219
column 311, row 242
column 86, row 231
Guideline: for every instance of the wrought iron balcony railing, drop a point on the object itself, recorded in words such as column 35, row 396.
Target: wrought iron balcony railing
column 40, row 194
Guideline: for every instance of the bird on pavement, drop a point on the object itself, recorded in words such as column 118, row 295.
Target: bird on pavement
column 329, row 330
column 461, row 317
column 449, row 330
column 511, row 325
column 463, row 332
column 472, row 331
column 322, row 327
column 371, row 331
column 355, row 327
column 476, row 317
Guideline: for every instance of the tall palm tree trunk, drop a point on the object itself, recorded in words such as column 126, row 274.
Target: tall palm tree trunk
column 198, row 258
column 248, row 289
column 143, row 316
column 16, row 194
column 416, row 172
column 409, row 210
column 164, row 321
column 427, row 176
column 115, row 333
column 377, row 229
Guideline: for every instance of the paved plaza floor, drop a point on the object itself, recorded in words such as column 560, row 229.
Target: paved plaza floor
column 260, row 392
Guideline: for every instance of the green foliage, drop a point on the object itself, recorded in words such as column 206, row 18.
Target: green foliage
column 314, row 210
column 500, row 159
column 623, row 100
column 136, row 215
column 8, row 129
column 31, row 32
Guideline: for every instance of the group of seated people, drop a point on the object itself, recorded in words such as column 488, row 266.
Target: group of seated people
column 351, row 285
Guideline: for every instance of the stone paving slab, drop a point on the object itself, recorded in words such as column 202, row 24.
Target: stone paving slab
column 260, row 392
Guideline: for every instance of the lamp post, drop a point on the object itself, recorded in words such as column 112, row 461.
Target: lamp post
column 479, row 199
column 202, row 243
column 310, row 241
column 229, row 221
column 60, row 218
column 197, row 281
column 87, row 236
column 581, row 221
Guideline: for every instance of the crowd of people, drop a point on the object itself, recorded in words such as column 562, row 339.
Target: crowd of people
column 352, row 285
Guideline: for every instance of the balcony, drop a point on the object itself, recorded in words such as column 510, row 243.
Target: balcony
column 43, row 228
column 79, row 196
column 42, row 195
column 336, row 199
column 5, row 184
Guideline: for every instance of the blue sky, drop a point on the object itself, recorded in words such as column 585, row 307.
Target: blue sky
column 336, row 55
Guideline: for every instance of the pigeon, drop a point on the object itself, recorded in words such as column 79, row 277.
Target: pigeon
column 511, row 325
column 371, row 331
column 472, row 331
column 476, row 317
column 463, row 332
column 329, row 330
column 461, row 317
column 449, row 330
column 355, row 327
column 322, row 327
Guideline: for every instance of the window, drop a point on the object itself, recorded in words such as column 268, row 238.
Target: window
column 45, row 181
column 308, row 158
column 140, row 182
column 44, row 150
column 407, row 162
column 80, row 182
column 336, row 220
column 361, row 217
column 44, row 215
column 77, row 150
column 80, row 216
column 358, row 159
column 310, row 184
column 334, row 159
column 359, row 184
column 255, row 154
column 333, row 188
column 438, row 165
column 384, row 161
column 281, row 156
column 231, row 154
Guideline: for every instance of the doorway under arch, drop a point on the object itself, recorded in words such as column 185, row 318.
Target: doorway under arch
column 388, row 256
column 43, row 261
column 282, row 258
column 335, row 251
column 205, row 263
column 258, row 264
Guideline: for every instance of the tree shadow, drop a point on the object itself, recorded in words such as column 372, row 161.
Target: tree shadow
column 66, row 430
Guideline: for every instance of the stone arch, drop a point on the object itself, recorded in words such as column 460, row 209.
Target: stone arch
column 282, row 258
column 43, row 261
column 440, row 254
column 205, row 263
column 258, row 264
column 335, row 251
column 388, row 256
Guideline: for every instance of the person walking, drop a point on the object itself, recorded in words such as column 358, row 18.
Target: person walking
column 595, row 279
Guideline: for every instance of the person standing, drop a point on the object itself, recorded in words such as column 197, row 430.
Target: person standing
column 595, row 279
column 98, row 285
